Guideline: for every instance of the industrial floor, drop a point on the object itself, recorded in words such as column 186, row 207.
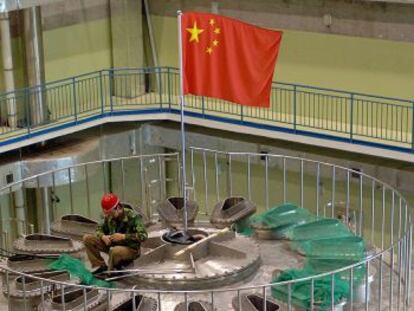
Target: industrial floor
column 276, row 255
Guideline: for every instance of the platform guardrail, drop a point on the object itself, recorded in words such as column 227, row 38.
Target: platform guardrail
column 299, row 109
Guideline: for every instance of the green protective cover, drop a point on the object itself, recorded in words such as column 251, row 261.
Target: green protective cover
column 317, row 265
column 328, row 246
column 243, row 227
column 301, row 291
column 328, row 228
column 76, row 268
column 350, row 248
column 283, row 217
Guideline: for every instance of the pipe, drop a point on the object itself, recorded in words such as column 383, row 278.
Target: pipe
column 152, row 44
column 20, row 212
column 182, row 132
column 35, row 63
column 8, row 70
column 151, row 34
column 46, row 209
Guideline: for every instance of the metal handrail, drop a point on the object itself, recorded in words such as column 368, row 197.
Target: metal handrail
column 65, row 168
column 220, row 290
column 269, row 155
column 395, row 244
column 379, row 121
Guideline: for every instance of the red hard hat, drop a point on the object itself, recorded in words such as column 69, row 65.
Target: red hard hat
column 108, row 202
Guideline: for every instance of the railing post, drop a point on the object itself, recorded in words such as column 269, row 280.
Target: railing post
column 169, row 88
column 74, row 99
column 241, row 114
column 412, row 126
column 158, row 70
column 27, row 109
column 101, row 92
column 111, row 77
column 294, row 108
column 202, row 106
column 351, row 119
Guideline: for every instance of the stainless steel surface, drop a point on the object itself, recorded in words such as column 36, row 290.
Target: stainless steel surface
column 172, row 212
column 25, row 264
column 76, row 299
column 34, row 285
column 46, row 244
column 255, row 302
column 142, row 303
column 74, row 226
column 26, row 293
column 231, row 210
column 194, row 306
column 219, row 261
column 266, row 233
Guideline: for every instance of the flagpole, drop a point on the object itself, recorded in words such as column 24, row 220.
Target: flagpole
column 182, row 104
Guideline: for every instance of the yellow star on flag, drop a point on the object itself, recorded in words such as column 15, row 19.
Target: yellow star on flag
column 215, row 42
column 195, row 32
column 209, row 50
column 212, row 22
column 217, row 30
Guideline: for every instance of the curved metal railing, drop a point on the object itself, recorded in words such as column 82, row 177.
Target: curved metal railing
column 298, row 109
column 380, row 214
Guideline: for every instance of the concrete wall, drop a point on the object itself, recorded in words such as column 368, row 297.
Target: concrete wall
column 77, row 49
column 370, row 19
column 77, row 38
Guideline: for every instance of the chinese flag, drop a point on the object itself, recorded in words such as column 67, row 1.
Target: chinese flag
column 228, row 59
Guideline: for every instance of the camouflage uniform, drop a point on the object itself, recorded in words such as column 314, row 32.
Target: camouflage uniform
column 129, row 249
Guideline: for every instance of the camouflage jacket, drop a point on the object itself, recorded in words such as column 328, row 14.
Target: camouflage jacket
column 131, row 225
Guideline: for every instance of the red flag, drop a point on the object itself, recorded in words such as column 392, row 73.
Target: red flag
column 228, row 59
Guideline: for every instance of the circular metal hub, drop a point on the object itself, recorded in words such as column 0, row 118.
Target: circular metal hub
column 217, row 260
column 184, row 238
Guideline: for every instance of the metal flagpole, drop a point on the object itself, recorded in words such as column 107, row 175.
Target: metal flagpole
column 182, row 104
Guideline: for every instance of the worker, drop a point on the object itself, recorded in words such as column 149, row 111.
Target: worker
column 119, row 235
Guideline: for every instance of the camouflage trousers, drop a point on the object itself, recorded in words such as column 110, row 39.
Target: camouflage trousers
column 117, row 254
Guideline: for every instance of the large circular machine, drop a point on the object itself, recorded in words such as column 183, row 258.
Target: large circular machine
column 225, row 260
column 217, row 260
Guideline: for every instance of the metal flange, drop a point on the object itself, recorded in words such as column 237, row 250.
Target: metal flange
column 46, row 244
column 171, row 211
column 230, row 211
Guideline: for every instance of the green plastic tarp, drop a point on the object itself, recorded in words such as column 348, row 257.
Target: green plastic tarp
column 300, row 292
column 327, row 228
column 76, row 268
